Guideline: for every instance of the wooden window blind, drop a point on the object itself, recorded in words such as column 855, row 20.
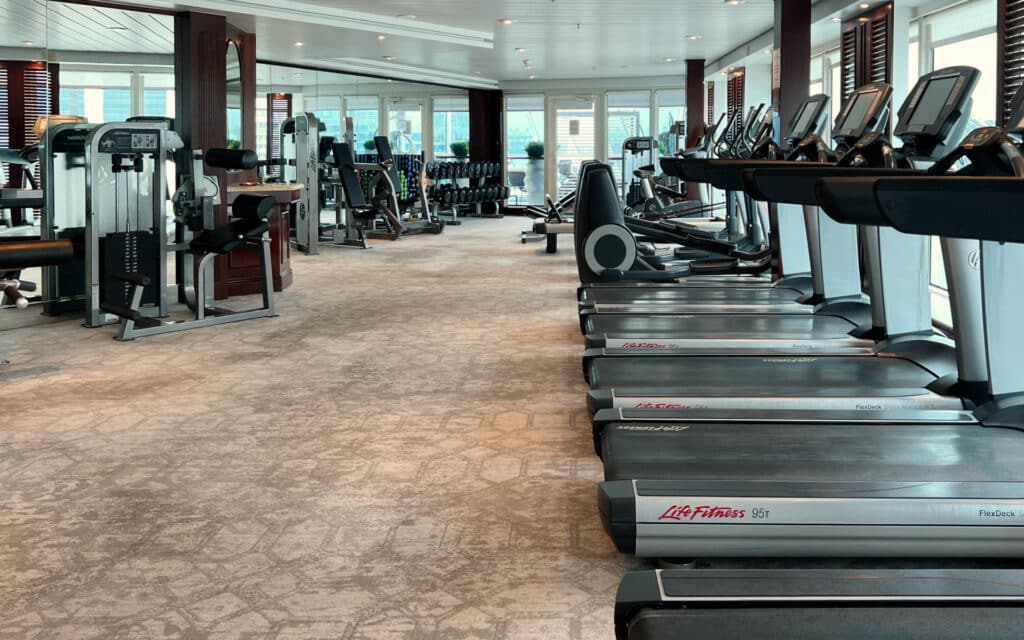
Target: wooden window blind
column 1011, row 53
column 279, row 109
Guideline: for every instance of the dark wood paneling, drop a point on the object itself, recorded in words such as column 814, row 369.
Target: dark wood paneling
column 1010, row 63
column 486, row 133
column 200, row 72
column 793, row 46
column 695, row 117
column 696, row 120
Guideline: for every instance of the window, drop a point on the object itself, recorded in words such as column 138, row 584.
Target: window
column 629, row 116
column 365, row 114
column 72, row 101
column 327, row 109
column 978, row 52
column 158, row 95
column 117, row 105
column 451, row 123
column 405, row 126
column 671, row 109
column 524, row 125
column 100, row 96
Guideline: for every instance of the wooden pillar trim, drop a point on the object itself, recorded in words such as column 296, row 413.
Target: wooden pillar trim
column 200, row 87
column 696, row 119
column 792, row 65
column 486, row 130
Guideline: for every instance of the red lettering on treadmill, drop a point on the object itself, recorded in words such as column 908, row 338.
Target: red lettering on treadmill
column 701, row 512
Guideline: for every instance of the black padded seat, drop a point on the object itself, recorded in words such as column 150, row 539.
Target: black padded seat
column 229, row 237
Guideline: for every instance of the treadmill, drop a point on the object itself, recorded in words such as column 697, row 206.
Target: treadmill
column 944, row 493
column 911, row 371
column 787, row 236
column 679, row 287
column 842, row 326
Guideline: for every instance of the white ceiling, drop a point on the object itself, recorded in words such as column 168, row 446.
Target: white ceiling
column 458, row 42
column 76, row 27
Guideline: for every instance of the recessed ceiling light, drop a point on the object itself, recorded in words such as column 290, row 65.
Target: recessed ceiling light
column 117, row 27
column 388, row 58
column 670, row 59
column 382, row 37
column 768, row 52
column 734, row 3
column 506, row 21
column 836, row 19
column 477, row 72
column 520, row 50
column 863, row 19
column 27, row 43
column 390, row 81
column 693, row 37
column 408, row 16
column 864, row 5
column 300, row 44
column 532, row 77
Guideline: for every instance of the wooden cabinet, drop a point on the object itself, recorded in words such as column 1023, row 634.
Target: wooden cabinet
column 243, row 267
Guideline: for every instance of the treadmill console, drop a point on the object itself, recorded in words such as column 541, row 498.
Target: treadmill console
column 862, row 113
column 809, row 118
column 934, row 106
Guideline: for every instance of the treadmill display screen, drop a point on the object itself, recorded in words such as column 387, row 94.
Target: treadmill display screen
column 855, row 120
column 799, row 128
column 932, row 101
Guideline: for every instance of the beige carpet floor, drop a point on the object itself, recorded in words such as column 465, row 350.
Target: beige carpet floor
column 403, row 453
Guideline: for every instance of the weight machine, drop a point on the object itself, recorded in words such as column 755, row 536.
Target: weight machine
column 126, row 243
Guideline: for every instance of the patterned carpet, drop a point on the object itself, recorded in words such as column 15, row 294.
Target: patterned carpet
column 403, row 453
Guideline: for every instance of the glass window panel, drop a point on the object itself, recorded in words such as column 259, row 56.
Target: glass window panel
column 671, row 109
column 365, row 116
column 629, row 116
column 524, row 124
column 405, row 127
column 117, row 105
column 72, row 101
column 979, row 52
column 451, row 123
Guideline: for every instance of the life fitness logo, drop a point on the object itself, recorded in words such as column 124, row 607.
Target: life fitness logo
column 643, row 345
column 681, row 512
column 662, row 405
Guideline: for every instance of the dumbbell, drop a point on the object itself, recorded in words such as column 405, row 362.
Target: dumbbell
column 492, row 169
column 504, row 193
column 463, row 195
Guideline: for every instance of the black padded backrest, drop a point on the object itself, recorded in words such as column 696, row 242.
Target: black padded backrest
column 384, row 155
column 597, row 204
column 346, row 163
column 326, row 147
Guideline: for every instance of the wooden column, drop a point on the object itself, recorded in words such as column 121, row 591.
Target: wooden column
column 791, row 65
column 696, row 119
column 486, row 133
column 200, row 100
column 695, row 116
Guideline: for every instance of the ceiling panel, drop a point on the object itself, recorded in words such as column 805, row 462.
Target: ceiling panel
column 76, row 27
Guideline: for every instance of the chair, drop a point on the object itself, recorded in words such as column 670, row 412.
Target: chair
column 517, row 180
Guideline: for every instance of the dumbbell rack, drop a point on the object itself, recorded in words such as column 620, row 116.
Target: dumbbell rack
column 449, row 199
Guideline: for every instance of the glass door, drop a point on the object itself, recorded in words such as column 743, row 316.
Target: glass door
column 575, row 142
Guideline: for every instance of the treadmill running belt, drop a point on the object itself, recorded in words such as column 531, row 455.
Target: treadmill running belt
column 900, row 622
column 718, row 327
